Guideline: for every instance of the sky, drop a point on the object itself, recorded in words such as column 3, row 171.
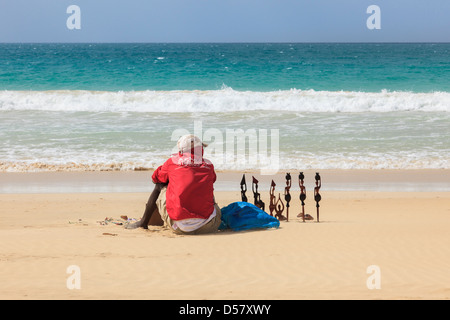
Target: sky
column 225, row 21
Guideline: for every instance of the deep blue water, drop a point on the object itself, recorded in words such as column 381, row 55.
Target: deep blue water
column 254, row 67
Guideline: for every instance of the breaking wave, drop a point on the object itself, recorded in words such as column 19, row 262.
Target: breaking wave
column 225, row 100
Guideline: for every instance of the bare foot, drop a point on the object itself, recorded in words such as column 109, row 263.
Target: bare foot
column 135, row 225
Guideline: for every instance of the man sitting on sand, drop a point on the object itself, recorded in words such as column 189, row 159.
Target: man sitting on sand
column 184, row 193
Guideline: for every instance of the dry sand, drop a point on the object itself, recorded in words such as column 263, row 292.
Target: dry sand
column 405, row 234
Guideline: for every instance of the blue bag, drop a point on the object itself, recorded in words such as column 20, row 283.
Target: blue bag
column 243, row 216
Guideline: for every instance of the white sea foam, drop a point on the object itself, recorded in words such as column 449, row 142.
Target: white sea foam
column 224, row 100
column 363, row 136
column 380, row 161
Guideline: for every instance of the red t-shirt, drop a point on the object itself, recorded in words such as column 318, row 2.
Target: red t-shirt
column 190, row 190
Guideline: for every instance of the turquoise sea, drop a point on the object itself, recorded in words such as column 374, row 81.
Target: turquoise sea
column 120, row 106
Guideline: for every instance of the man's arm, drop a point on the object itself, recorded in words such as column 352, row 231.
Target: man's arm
column 161, row 174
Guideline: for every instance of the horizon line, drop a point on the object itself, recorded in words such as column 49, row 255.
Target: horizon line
column 230, row 42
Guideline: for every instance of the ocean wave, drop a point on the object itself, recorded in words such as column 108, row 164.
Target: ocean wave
column 339, row 162
column 43, row 166
column 225, row 100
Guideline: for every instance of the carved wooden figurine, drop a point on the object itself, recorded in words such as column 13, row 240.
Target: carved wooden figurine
column 317, row 196
column 243, row 189
column 257, row 196
column 287, row 195
column 301, row 177
column 279, row 208
column 272, row 198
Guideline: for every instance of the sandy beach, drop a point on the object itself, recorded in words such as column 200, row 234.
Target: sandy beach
column 404, row 234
